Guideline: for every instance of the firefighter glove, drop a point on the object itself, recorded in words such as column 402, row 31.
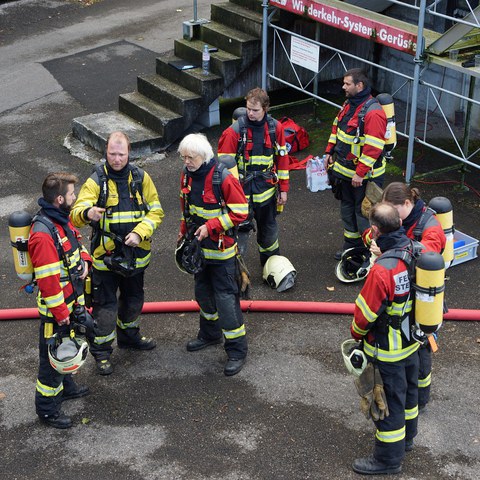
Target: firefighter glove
column 243, row 277
column 379, row 397
column 365, row 384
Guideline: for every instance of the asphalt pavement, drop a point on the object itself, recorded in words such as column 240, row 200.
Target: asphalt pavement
column 292, row 412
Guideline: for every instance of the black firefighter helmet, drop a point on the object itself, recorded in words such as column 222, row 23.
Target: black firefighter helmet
column 189, row 256
column 354, row 265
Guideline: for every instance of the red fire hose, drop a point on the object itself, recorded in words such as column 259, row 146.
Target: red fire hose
column 249, row 306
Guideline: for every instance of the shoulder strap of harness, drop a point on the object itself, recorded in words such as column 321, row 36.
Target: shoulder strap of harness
column 427, row 214
column 242, row 130
column 363, row 111
column 219, row 174
column 135, row 185
column 272, row 125
column 407, row 255
column 103, row 184
column 242, row 137
column 40, row 217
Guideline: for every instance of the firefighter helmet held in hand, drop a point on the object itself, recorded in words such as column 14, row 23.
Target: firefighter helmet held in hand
column 67, row 354
column 279, row 273
column 354, row 357
column 354, row 265
column 189, row 256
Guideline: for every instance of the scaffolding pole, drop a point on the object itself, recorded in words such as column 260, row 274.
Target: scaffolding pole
column 264, row 43
column 416, row 82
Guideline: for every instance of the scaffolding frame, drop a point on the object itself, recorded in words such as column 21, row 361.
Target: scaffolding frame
column 415, row 82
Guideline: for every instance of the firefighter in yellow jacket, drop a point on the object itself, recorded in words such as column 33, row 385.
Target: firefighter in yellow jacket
column 121, row 203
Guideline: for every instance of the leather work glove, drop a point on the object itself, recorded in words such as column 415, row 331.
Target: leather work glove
column 243, row 278
column 373, row 195
column 365, row 384
column 379, row 397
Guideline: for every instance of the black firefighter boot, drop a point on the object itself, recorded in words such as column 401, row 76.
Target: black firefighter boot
column 371, row 466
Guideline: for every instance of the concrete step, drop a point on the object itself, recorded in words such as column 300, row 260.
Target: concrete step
column 209, row 87
column 171, row 95
column 237, row 17
column 155, row 117
column 222, row 63
column 254, row 5
column 241, row 44
column 93, row 130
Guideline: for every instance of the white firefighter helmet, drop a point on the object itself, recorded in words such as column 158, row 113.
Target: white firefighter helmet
column 67, row 354
column 279, row 273
column 354, row 265
column 354, row 357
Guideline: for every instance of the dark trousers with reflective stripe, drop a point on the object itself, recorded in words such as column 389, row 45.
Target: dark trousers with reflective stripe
column 354, row 223
column 48, row 396
column 425, row 369
column 400, row 380
column 217, row 294
column 267, row 230
column 106, row 309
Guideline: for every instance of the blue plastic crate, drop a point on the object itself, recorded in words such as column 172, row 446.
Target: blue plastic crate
column 464, row 248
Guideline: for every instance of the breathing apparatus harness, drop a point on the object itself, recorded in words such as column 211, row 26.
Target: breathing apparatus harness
column 81, row 318
column 123, row 261
column 189, row 254
column 219, row 174
column 361, row 119
column 385, row 101
column 245, row 174
column 427, row 214
column 193, row 221
column 409, row 256
column 57, row 240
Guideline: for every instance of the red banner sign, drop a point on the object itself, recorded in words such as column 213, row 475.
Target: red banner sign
column 349, row 22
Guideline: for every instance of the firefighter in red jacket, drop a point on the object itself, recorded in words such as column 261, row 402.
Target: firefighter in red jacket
column 382, row 319
column 213, row 221
column 59, row 277
column 420, row 224
column 355, row 153
column 254, row 149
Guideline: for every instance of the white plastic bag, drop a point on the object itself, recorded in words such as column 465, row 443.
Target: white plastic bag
column 317, row 178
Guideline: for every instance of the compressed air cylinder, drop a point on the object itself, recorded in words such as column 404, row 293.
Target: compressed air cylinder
column 429, row 291
column 87, row 291
column 386, row 101
column 19, row 227
column 444, row 213
column 238, row 112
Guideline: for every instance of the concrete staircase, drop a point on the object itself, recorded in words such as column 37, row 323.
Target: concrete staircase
column 168, row 102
